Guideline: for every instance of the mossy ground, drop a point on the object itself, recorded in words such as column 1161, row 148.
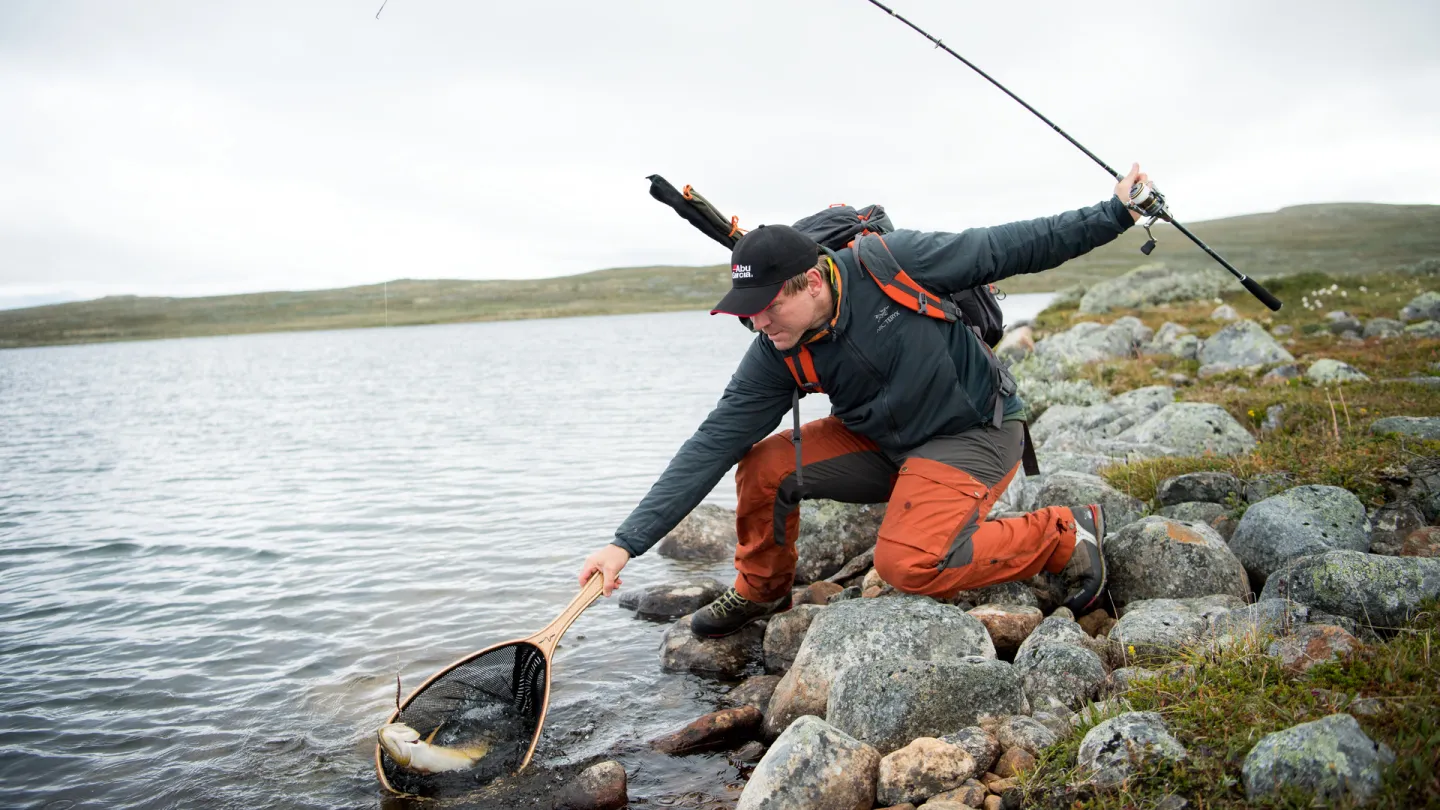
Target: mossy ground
column 1324, row 434
column 1224, row 702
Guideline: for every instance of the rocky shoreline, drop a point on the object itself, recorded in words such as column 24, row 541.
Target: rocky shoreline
column 862, row 697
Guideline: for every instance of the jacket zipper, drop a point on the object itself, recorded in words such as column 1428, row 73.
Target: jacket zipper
column 884, row 390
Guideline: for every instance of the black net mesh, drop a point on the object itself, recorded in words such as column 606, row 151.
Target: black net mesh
column 495, row 698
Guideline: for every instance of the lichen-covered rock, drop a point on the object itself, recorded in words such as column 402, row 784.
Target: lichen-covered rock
column 1193, row 428
column 1019, row 731
column 1325, row 371
column 1305, row 520
column 1214, row 515
column 1391, row 524
column 599, row 787
column 1311, row 644
column 673, row 599
column 906, row 628
column 813, row 764
column 1421, row 427
column 1009, row 625
column 1088, row 342
column 1384, row 328
column 922, row 769
column 1369, row 588
column 1423, row 329
column 889, row 703
column 783, row 634
column 1067, row 674
column 707, row 534
column 1213, row 487
column 1330, row 757
column 979, row 743
column 831, row 533
column 1005, row 594
column 1160, row 628
column 1113, row 750
column 1255, row 624
column 729, row 657
column 1243, row 343
column 1151, row 284
column 1161, row 558
column 1423, row 542
column 1123, row 679
column 1078, row 489
column 1224, row 313
column 1423, row 307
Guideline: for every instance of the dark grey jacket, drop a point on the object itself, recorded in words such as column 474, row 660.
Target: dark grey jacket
column 892, row 375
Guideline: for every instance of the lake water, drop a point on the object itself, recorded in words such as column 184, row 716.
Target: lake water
column 216, row 554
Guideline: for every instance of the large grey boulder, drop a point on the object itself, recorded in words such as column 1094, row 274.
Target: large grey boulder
column 1055, row 418
column 1160, row 558
column 1089, row 342
column 1420, row 427
column 1114, row 750
column 1193, row 428
column 857, row 631
column 673, row 599
column 831, row 533
column 1423, row 307
column 729, row 657
column 1372, row 589
column 707, row 534
column 1160, row 628
column 1423, row 329
column 1330, row 757
column 1151, row 284
column 1384, row 328
column 1326, row 371
column 1067, row 674
column 889, row 703
column 1311, row 519
column 1215, row 487
column 1242, row 344
column 1078, row 489
column 813, row 764
column 1214, row 515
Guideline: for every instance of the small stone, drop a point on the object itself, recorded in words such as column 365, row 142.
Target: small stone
column 1326, row 370
column 1114, row 749
column 749, row 753
column 1014, row 762
column 1096, row 623
column 1224, row 313
column 715, row 730
column 817, row 593
column 977, row 742
column 970, row 794
column 996, row 783
column 923, row 768
column 754, row 691
column 994, row 803
column 599, row 787
column 1008, row 626
column 1422, row 543
column 1311, row 644
column 1281, row 374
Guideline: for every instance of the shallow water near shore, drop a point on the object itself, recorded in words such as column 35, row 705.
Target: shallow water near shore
column 216, row 554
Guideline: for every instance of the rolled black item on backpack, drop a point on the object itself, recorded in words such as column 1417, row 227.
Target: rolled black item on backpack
column 697, row 211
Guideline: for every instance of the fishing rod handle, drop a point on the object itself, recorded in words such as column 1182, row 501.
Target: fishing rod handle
column 1250, row 284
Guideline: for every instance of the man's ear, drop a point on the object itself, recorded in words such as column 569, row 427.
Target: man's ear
column 814, row 281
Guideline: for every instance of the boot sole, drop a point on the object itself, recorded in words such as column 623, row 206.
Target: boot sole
column 1100, row 548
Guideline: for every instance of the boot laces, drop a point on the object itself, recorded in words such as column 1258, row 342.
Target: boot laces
column 729, row 602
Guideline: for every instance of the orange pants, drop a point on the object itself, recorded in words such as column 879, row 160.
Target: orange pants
column 934, row 540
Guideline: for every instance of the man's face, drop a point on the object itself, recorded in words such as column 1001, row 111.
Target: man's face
column 788, row 318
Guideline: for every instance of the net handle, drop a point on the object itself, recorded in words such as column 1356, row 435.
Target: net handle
column 549, row 637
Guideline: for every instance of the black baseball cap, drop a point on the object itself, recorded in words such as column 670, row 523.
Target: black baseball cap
column 763, row 260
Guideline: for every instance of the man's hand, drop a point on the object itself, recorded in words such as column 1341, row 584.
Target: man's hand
column 608, row 561
column 1134, row 178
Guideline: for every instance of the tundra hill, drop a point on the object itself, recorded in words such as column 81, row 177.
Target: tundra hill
column 1337, row 239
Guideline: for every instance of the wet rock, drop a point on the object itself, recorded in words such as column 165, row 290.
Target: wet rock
column 922, row 769
column 1014, row 762
column 729, row 657
column 813, row 764
column 1008, row 625
column 747, row 754
column 599, row 787
column 1421, row 427
column 979, row 743
column 1161, row 558
column 911, row 628
column 1330, row 757
column 1243, row 343
column 888, row 703
column 1193, row 428
column 1159, row 628
column 1151, row 284
column 1383, row 328
column 1078, row 489
column 1369, row 588
column 673, row 599
column 783, row 634
column 816, row 593
column 722, row 729
column 1214, row 515
column 1423, row 307
column 1305, row 520
column 707, row 534
column 1019, row 731
column 1311, row 644
column 1391, row 524
column 831, row 533
column 1114, row 750
column 1423, row 542
column 1326, row 371
column 754, row 691
column 1424, row 329
column 1007, row 594
column 1213, row 487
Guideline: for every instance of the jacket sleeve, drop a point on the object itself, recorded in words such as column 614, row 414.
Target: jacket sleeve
column 950, row 262
column 752, row 406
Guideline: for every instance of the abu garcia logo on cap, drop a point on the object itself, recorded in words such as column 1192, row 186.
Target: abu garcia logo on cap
column 740, row 271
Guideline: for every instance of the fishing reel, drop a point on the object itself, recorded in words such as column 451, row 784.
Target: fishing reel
column 1148, row 202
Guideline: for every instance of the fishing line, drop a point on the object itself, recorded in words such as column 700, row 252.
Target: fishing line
column 1145, row 198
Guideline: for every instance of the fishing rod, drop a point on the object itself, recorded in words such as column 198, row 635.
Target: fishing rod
column 1144, row 198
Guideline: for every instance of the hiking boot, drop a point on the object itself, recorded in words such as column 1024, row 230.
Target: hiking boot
column 730, row 612
column 1085, row 572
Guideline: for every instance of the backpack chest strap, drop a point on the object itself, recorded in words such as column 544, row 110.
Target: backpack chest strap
column 802, row 368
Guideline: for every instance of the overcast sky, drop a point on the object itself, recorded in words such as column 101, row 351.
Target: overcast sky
column 193, row 148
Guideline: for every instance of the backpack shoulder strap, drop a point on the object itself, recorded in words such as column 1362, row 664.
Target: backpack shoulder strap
column 802, row 368
column 875, row 256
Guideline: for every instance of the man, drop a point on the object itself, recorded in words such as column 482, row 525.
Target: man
column 913, row 400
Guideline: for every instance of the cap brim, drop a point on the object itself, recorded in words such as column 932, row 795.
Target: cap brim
column 747, row 301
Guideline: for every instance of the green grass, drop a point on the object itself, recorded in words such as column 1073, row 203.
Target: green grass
column 1224, row 702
